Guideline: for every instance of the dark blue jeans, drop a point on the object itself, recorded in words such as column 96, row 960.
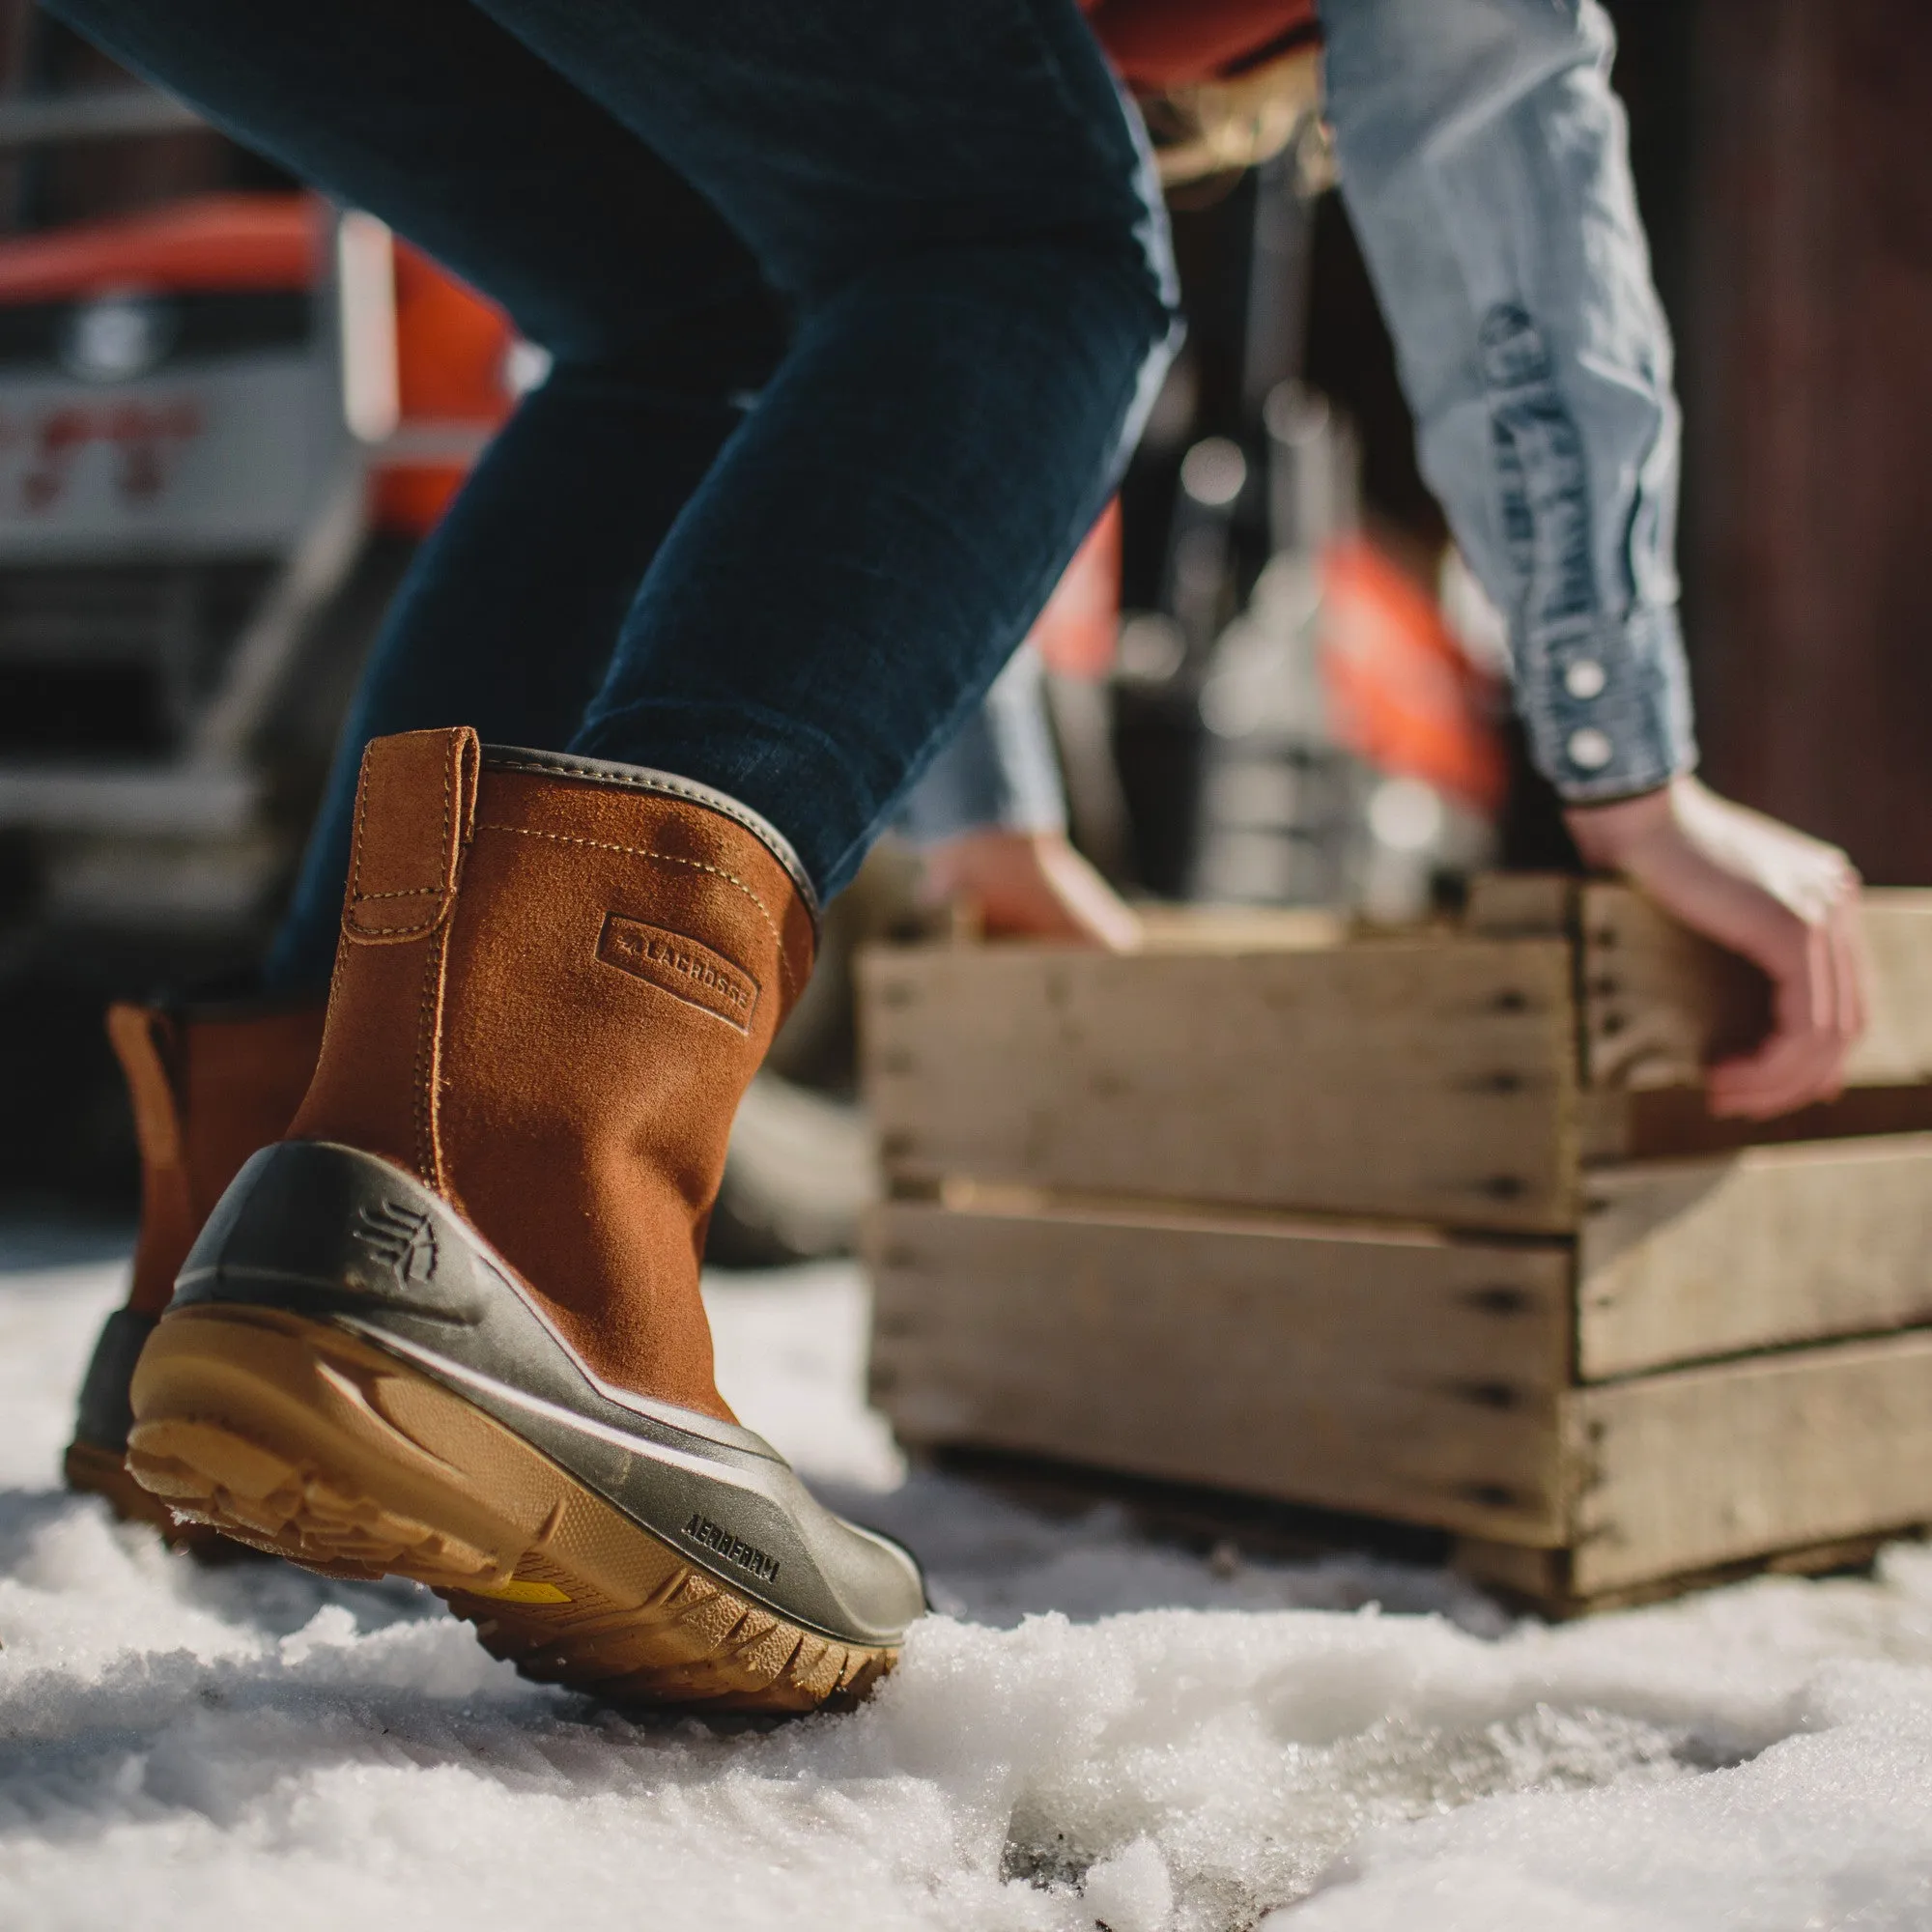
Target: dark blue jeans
column 925, row 236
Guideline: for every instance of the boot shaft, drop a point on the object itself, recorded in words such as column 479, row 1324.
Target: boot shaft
column 555, row 980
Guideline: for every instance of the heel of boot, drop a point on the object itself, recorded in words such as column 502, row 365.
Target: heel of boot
column 279, row 1431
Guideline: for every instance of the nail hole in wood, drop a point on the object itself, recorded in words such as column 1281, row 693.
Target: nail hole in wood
column 1490, row 1495
column 1500, row 1300
column 1489, row 1395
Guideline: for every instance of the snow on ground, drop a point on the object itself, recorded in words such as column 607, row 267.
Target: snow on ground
column 1093, row 1732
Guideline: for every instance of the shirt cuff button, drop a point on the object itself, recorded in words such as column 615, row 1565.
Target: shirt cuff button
column 1585, row 678
column 1589, row 750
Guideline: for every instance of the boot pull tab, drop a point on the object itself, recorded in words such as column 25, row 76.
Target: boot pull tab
column 142, row 1039
column 415, row 808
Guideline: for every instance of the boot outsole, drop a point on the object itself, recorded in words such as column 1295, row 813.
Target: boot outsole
column 299, row 1439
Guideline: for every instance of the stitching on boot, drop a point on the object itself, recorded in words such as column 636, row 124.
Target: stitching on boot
column 668, row 858
column 665, row 784
column 429, row 1019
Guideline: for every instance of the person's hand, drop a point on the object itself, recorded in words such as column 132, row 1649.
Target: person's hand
column 1031, row 885
column 1785, row 901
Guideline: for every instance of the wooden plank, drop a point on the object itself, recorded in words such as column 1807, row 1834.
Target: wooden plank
column 1522, row 905
column 1239, row 928
column 1682, row 1260
column 1395, row 1374
column 1433, row 1080
column 1702, row 1466
column 1659, row 1003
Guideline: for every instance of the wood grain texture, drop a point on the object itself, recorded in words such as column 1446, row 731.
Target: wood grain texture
column 1704, row 1467
column 1522, row 905
column 1240, row 928
column 1660, row 1003
column 1397, row 1374
column 1682, row 1261
column 1433, row 1080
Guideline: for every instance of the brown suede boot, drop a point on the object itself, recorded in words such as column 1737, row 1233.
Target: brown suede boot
column 210, row 1083
column 451, row 1329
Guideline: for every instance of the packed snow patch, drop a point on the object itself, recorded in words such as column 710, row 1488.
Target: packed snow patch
column 1096, row 1731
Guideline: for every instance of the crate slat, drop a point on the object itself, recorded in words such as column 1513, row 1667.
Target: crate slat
column 1680, row 1471
column 1682, row 1261
column 1387, row 1374
column 1434, row 1081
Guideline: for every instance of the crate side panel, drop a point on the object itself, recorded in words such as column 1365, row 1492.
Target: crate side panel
column 1682, row 1261
column 1426, row 1081
column 1704, row 1467
column 1414, row 1379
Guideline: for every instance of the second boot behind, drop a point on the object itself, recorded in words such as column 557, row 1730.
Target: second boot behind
column 210, row 1080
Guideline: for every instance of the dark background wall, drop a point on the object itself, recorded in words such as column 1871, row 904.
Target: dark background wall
column 1807, row 347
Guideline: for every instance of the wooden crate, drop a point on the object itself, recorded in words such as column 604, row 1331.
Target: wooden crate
column 1427, row 1229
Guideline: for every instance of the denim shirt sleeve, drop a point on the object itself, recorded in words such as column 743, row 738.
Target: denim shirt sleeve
column 1485, row 166
column 1001, row 771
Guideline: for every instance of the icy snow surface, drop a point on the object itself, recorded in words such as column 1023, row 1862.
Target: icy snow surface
column 1094, row 1731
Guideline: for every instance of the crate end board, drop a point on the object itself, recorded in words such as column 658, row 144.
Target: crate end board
column 1686, row 1260
column 1658, row 1003
column 1540, row 1581
column 1701, row 1466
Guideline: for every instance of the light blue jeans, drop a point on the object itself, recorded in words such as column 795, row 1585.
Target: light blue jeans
column 1485, row 167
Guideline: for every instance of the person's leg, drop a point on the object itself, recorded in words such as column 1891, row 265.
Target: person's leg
column 659, row 321
column 556, row 975
column 961, row 210
column 509, row 614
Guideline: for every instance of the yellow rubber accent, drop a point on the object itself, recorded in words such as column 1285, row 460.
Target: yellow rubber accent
column 309, row 1444
column 515, row 1592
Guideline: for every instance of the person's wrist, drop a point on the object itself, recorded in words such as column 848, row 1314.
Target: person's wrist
column 1608, row 831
